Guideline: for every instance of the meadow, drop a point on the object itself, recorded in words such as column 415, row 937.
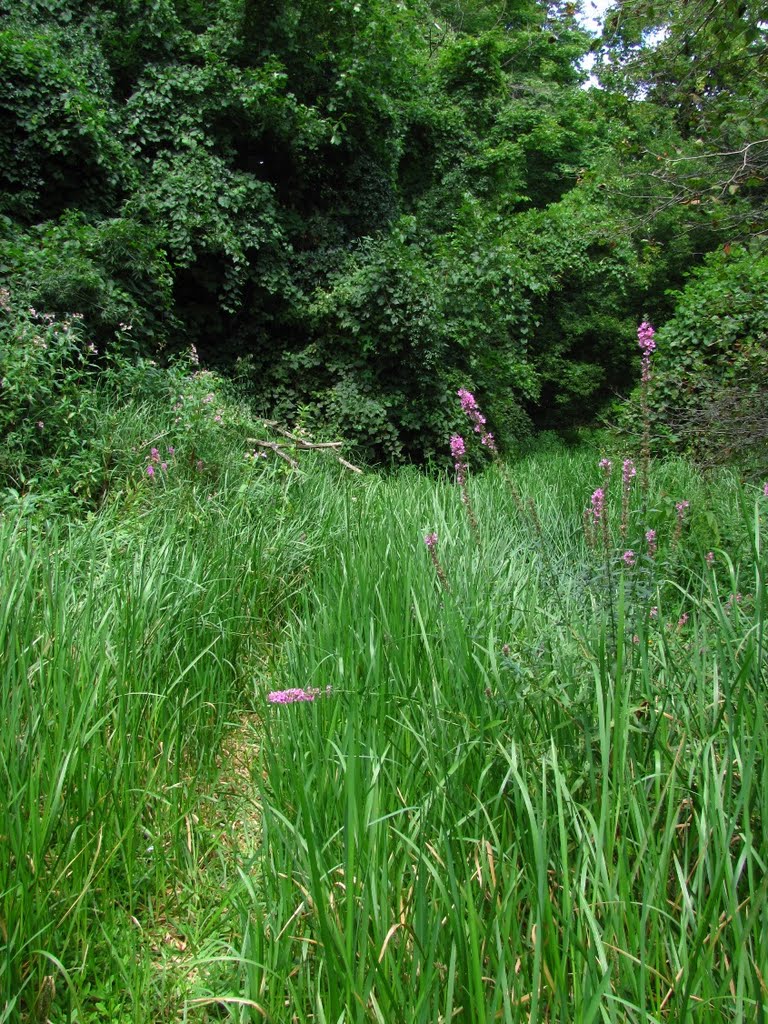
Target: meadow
column 270, row 756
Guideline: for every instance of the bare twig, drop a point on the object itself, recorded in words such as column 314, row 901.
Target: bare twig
column 300, row 444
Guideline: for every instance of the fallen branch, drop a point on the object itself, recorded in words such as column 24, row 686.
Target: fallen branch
column 275, row 447
column 301, row 444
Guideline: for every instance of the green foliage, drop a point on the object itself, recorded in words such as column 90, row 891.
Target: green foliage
column 214, row 217
column 705, row 64
column 368, row 204
column 57, row 132
column 718, row 334
column 175, row 846
column 113, row 271
column 433, row 822
column 49, row 414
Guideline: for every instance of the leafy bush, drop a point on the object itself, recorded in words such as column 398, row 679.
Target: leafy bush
column 709, row 377
column 49, row 413
column 114, row 272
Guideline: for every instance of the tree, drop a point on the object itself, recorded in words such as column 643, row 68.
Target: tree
column 706, row 62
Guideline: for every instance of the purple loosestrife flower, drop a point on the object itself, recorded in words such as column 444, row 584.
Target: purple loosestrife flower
column 680, row 509
column 458, row 448
column 710, row 558
column 628, row 472
column 629, row 558
column 606, row 465
column 645, row 336
column 154, row 455
column 765, row 489
column 150, row 471
column 431, row 541
column 293, row 696
column 470, row 407
column 650, row 536
column 458, row 451
column 598, row 504
column 647, row 345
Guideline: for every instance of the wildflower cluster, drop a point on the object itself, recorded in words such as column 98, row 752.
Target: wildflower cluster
column 628, row 473
column 680, row 508
column 158, row 460
column 470, row 407
column 297, row 695
column 596, row 515
column 645, row 339
column 459, row 451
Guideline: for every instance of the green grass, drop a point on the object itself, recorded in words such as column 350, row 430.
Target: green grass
column 525, row 798
column 569, row 831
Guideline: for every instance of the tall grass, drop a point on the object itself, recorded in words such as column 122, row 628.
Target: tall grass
column 131, row 643
column 524, row 798
column 534, row 794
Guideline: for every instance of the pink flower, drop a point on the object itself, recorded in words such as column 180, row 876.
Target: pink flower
column 645, row 340
column 164, row 466
column 171, row 450
column 458, row 448
column 629, row 558
column 654, row 612
column 295, row 695
column 468, row 403
column 680, row 507
column 470, row 407
column 598, row 504
column 150, row 471
column 628, row 471
column 682, row 620
column 431, row 540
column 645, row 334
column 650, row 537
column 458, row 451
column 155, row 455
column 710, row 558
column 605, row 465
column 765, row 489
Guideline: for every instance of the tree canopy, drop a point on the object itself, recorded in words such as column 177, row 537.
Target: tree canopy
column 361, row 205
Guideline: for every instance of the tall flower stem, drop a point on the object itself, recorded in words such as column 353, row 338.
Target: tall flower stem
column 459, row 451
column 645, row 336
column 431, row 543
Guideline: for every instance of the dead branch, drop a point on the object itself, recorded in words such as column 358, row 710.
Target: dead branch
column 301, row 444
